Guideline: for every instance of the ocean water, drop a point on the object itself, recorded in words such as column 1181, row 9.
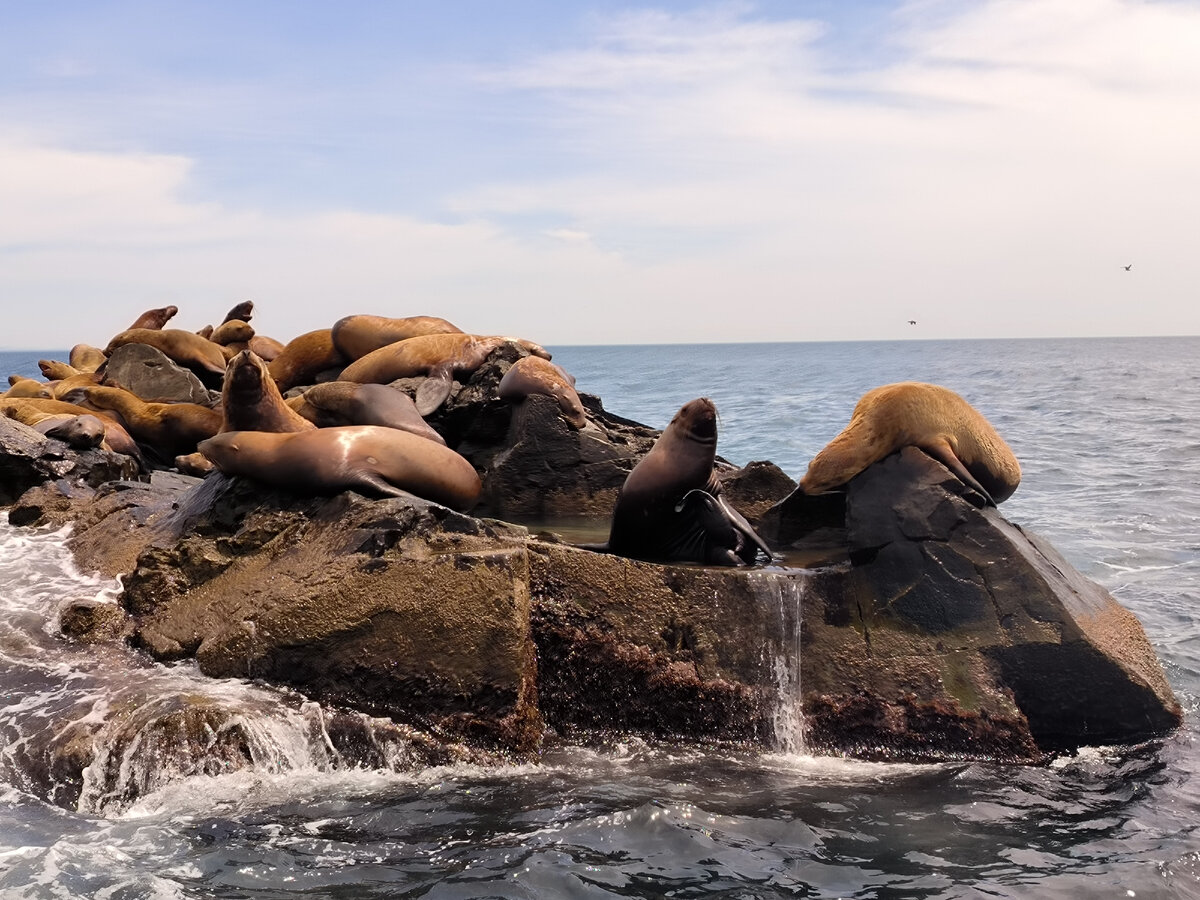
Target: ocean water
column 1108, row 435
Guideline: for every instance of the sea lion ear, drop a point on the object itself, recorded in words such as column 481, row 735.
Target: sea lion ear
column 433, row 391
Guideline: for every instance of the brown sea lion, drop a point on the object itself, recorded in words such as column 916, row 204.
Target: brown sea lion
column 232, row 331
column 64, row 386
column 195, row 464
column 928, row 416
column 243, row 311
column 83, row 432
column 367, row 458
column 534, row 375
column 670, row 507
column 55, row 370
column 348, row 403
column 205, row 332
column 116, row 437
column 87, row 358
column 154, row 318
column 439, row 357
column 169, row 429
column 20, row 386
column 304, row 358
column 267, row 348
column 190, row 350
column 250, row 400
column 356, row 336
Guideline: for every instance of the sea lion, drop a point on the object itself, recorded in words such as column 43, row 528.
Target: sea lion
column 348, row 403
column 205, row 332
column 534, row 375
column 304, row 358
column 87, row 358
column 82, row 432
column 439, row 357
column 243, row 311
column 267, row 348
column 116, row 437
column 670, row 507
column 55, row 370
column 928, row 416
column 188, row 349
column 367, row 458
column 64, row 386
column 356, row 336
column 20, row 386
column 195, row 464
column 154, row 318
column 168, row 429
column 250, row 400
column 232, row 331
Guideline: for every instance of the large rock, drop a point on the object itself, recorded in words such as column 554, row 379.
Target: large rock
column 147, row 372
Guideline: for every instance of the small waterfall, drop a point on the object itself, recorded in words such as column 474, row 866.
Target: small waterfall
column 788, row 718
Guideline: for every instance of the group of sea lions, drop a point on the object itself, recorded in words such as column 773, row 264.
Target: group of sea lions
column 343, row 427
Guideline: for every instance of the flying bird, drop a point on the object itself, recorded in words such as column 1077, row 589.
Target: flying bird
column 1128, row 267
column 912, row 321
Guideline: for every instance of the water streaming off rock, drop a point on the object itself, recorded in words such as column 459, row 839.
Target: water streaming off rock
column 788, row 718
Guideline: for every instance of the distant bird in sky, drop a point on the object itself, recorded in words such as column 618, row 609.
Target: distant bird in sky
column 1128, row 267
column 912, row 321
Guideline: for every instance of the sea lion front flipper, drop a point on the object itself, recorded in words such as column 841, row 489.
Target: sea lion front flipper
column 434, row 390
column 940, row 450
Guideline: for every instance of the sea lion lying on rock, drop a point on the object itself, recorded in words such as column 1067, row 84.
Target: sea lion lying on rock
column 928, row 416
column 534, row 375
column 368, row 458
column 670, row 508
column 347, row 403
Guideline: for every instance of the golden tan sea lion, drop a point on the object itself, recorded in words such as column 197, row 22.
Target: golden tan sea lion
column 534, row 375
column 928, row 416
column 87, row 358
column 170, row 429
column 356, row 336
column 670, row 508
column 20, row 386
column 199, row 354
column 267, row 348
column 250, row 400
column 154, row 318
column 63, row 386
column 367, row 458
column 439, row 357
column 232, row 331
column 304, row 358
column 82, row 432
column 348, row 403
column 55, row 370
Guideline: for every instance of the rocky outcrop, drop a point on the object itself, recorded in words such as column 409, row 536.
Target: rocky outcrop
column 147, row 372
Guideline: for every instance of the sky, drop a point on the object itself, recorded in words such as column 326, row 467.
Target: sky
column 582, row 172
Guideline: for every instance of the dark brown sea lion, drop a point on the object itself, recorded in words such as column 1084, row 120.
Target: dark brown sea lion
column 439, row 357
column 670, row 507
column 154, row 318
column 534, row 375
column 928, row 416
column 87, row 358
column 188, row 349
column 243, row 311
column 347, row 403
column 169, row 429
column 250, row 400
column 356, row 336
column 367, row 458
column 304, row 358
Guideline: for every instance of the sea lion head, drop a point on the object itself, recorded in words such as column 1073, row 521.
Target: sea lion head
column 697, row 421
column 242, row 311
column 79, row 432
column 245, row 376
column 221, row 449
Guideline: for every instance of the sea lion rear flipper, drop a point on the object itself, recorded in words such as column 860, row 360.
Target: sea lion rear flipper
column 941, row 451
column 377, row 483
column 738, row 521
column 716, row 533
column 433, row 391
